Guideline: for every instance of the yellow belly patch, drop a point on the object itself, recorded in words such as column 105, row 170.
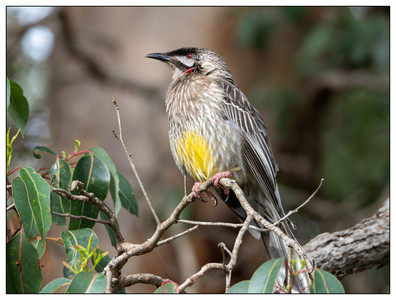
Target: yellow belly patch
column 196, row 155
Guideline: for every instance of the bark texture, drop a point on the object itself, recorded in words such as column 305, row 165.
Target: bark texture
column 355, row 249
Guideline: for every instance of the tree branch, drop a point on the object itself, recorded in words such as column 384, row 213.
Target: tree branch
column 142, row 278
column 89, row 197
column 355, row 249
column 226, row 182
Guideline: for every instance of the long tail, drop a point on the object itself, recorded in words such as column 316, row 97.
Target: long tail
column 276, row 246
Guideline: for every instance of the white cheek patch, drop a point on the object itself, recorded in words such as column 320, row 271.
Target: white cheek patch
column 185, row 61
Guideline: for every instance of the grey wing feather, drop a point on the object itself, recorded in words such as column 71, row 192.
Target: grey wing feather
column 256, row 149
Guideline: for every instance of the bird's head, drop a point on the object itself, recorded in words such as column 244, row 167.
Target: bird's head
column 191, row 60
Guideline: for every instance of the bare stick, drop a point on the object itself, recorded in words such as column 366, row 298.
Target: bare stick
column 142, row 278
column 177, row 235
column 192, row 279
column 298, row 208
column 185, row 184
column 120, row 138
column 222, row 224
column 81, row 217
column 12, row 206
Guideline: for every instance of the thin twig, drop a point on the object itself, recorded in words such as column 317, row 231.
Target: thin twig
column 177, row 235
column 192, row 279
column 120, row 138
column 298, row 208
column 12, row 206
column 222, row 224
column 224, row 249
column 81, row 217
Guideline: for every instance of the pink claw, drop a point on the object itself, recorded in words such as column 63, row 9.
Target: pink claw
column 197, row 193
column 216, row 178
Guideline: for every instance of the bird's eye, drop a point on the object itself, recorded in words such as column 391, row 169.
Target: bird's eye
column 189, row 56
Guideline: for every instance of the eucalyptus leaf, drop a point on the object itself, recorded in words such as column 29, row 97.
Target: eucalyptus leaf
column 61, row 173
column 55, row 285
column 264, row 278
column 167, row 288
column 42, row 149
column 241, row 287
column 325, row 283
column 32, row 200
column 22, row 268
column 17, row 105
column 96, row 178
column 87, row 282
column 114, row 183
column 127, row 196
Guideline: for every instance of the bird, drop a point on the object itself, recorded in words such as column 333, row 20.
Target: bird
column 214, row 132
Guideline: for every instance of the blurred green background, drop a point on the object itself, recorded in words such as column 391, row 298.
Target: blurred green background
column 318, row 75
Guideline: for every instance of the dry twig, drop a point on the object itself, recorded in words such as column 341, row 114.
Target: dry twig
column 120, row 138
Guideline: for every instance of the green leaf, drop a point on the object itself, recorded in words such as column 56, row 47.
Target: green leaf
column 17, row 106
column 110, row 231
column 325, row 283
column 63, row 174
column 72, row 238
column 102, row 264
column 21, row 200
column 32, row 200
column 96, row 178
column 55, row 285
column 167, row 288
column 127, row 195
column 241, row 287
column 9, row 149
column 264, row 278
column 114, row 183
column 22, row 268
column 115, row 193
column 42, row 149
column 87, row 282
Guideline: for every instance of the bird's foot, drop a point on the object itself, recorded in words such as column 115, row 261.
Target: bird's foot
column 216, row 178
column 198, row 193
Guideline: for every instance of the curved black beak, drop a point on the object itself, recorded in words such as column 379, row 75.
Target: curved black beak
column 159, row 56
